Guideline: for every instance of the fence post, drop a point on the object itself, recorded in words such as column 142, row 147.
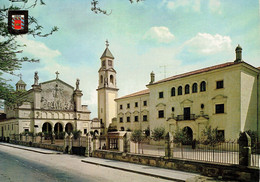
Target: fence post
column 52, row 138
column 70, row 143
column 244, row 149
column 65, row 143
column 167, row 146
column 87, row 145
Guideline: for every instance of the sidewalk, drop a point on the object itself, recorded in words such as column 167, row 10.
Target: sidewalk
column 33, row 149
column 168, row 174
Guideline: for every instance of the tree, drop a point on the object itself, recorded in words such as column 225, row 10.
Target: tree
column 211, row 136
column 11, row 57
column 137, row 137
column 158, row 133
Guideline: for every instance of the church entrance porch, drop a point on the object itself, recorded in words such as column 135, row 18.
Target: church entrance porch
column 68, row 128
column 47, row 130
column 58, row 130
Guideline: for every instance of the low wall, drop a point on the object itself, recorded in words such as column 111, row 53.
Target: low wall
column 223, row 171
column 39, row 145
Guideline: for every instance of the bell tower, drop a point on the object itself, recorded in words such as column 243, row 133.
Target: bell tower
column 107, row 90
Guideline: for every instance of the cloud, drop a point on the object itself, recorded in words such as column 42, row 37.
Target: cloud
column 205, row 43
column 193, row 5
column 37, row 49
column 214, row 6
column 160, row 34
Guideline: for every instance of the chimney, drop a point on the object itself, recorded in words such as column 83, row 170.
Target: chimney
column 152, row 77
column 238, row 54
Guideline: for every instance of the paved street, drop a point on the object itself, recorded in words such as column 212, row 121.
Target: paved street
column 18, row 165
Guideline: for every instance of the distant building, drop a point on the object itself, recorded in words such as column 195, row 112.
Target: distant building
column 226, row 96
column 51, row 106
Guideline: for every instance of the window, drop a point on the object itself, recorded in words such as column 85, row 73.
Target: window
column 144, row 117
column 121, row 106
column 161, row 114
column 180, row 90
column 101, row 79
column 121, row 119
column 113, row 143
column 12, row 127
column 145, row 103
column 136, row 118
column 128, row 105
column 172, row 109
column 26, row 130
column 136, row 104
column 220, row 84
column 122, row 129
column 111, row 79
column 128, row 119
column 194, row 88
column 160, row 94
column 221, row 135
column 109, row 63
column 203, row 86
column 173, row 91
column 219, row 108
column 187, row 89
column 85, row 131
column 103, row 63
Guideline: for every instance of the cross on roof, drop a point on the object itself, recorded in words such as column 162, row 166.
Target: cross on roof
column 107, row 43
column 57, row 74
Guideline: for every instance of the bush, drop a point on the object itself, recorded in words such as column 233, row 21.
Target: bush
column 76, row 134
column 180, row 136
column 158, row 134
column 212, row 137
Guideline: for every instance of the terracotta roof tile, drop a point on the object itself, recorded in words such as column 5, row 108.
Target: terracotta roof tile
column 195, row 72
column 142, row 92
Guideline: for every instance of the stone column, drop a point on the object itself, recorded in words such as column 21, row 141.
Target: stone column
column 244, row 149
column 168, row 151
column 70, row 144
column 65, row 142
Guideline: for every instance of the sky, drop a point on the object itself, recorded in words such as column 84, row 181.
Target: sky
column 167, row 37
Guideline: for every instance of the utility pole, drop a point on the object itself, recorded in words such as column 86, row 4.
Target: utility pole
column 164, row 70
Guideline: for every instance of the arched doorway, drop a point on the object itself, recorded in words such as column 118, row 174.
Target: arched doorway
column 46, row 128
column 68, row 128
column 189, row 135
column 58, row 129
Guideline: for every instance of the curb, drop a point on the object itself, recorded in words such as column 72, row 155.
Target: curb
column 134, row 171
column 30, row 149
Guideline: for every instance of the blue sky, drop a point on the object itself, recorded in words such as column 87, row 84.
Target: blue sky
column 182, row 35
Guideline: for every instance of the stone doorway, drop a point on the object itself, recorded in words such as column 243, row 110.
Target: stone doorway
column 189, row 134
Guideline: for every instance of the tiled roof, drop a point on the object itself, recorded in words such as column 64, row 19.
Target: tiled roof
column 258, row 68
column 196, row 72
column 107, row 53
column 142, row 92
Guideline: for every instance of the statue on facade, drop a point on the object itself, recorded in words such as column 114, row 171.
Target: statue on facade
column 77, row 84
column 36, row 78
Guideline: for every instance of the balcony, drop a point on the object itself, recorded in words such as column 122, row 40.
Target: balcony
column 185, row 117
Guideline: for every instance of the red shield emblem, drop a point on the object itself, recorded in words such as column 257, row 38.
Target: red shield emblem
column 17, row 21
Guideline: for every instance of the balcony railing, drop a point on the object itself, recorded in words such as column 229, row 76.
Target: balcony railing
column 185, row 117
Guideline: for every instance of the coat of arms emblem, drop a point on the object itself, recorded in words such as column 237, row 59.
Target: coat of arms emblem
column 17, row 21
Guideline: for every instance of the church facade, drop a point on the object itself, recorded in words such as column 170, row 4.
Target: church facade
column 51, row 106
column 226, row 96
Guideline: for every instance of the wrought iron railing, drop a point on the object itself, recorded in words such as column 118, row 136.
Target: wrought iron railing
column 185, row 117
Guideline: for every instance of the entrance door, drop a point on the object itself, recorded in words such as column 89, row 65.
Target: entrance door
column 189, row 135
column 187, row 113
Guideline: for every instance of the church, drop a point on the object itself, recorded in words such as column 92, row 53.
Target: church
column 224, row 96
column 52, row 106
